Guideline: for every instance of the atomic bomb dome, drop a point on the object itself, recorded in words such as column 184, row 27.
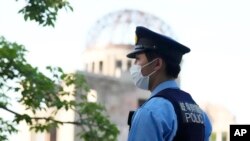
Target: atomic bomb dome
column 112, row 37
column 118, row 27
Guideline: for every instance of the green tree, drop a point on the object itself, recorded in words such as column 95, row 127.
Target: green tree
column 44, row 11
column 38, row 92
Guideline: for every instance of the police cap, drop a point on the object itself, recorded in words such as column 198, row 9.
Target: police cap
column 147, row 40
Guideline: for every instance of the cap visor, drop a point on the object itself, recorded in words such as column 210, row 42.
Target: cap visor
column 133, row 53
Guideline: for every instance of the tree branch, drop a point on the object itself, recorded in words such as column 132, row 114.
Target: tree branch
column 47, row 118
column 11, row 111
column 40, row 118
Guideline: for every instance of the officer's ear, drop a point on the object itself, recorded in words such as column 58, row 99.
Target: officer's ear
column 158, row 64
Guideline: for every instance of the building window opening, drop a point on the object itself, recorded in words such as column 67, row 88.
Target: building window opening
column 53, row 134
column 129, row 63
column 100, row 66
column 118, row 64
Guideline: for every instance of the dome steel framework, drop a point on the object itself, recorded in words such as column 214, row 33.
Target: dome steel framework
column 118, row 27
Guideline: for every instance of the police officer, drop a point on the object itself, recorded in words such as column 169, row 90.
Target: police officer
column 170, row 114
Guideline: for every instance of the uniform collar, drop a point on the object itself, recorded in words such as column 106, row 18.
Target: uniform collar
column 164, row 85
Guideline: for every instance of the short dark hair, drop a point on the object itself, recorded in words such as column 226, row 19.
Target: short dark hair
column 172, row 69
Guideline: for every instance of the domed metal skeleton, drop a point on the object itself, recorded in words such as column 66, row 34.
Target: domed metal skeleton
column 118, row 27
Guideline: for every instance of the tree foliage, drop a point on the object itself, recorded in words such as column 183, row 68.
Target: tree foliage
column 44, row 11
column 40, row 93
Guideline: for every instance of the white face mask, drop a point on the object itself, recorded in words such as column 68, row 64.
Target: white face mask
column 140, row 80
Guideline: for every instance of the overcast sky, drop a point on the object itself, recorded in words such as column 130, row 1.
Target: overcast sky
column 217, row 31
